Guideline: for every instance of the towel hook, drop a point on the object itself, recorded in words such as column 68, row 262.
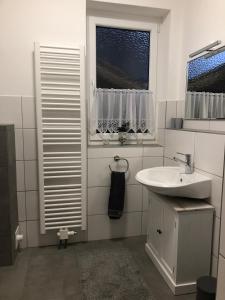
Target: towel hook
column 118, row 158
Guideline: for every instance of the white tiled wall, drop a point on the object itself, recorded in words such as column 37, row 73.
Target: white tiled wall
column 133, row 221
column 178, row 141
column 171, row 112
column 10, row 110
column 207, row 151
column 221, row 268
column 21, row 112
column 208, row 157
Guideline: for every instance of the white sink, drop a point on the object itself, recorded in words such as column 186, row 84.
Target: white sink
column 170, row 181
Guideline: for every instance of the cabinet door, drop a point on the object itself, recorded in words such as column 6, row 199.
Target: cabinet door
column 155, row 225
column 169, row 240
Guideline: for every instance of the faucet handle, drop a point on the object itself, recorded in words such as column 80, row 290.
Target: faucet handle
column 187, row 156
column 182, row 153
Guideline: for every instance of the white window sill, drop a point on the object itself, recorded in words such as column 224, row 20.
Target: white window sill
column 106, row 139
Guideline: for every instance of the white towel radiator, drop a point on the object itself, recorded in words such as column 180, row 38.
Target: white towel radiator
column 61, row 125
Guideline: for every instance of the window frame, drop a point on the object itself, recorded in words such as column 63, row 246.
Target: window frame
column 91, row 71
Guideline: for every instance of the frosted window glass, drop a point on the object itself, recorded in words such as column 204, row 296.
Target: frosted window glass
column 122, row 58
column 207, row 74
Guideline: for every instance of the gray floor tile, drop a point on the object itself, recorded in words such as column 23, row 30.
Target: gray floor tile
column 52, row 274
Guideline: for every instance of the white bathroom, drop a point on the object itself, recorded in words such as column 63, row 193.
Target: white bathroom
column 112, row 145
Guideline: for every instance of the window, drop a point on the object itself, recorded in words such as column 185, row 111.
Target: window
column 205, row 95
column 122, row 60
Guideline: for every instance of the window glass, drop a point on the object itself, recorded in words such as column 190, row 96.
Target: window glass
column 207, row 74
column 122, row 58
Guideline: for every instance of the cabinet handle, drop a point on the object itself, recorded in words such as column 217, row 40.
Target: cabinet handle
column 159, row 231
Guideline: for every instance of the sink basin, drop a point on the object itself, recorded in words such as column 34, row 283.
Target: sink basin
column 170, row 181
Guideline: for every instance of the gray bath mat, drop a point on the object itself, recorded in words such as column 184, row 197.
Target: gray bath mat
column 110, row 272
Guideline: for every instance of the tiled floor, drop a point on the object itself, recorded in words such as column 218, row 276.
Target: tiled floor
column 52, row 274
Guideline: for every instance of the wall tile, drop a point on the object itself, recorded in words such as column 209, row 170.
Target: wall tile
column 151, row 162
column 198, row 125
column 133, row 199
column 29, row 112
column 144, row 226
column 179, row 141
column 161, row 137
column 217, row 125
column 98, row 199
column 152, row 151
column 209, row 153
column 10, row 110
column 171, row 112
column 21, row 206
column 20, row 176
column 180, row 109
column 32, row 205
column 110, row 152
column 170, row 162
column 33, row 233
column 99, row 172
column 101, row 227
column 30, row 144
column 135, row 165
column 216, row 191
column 19, row 144
column 161, row 114
column 145, row 199
column 50, row 238
column 31, row 179
column 221, row 275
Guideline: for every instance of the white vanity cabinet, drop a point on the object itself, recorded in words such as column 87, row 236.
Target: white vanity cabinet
column 179, row 240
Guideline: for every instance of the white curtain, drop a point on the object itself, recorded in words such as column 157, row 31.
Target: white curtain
column 204, row 105
column 112, row 108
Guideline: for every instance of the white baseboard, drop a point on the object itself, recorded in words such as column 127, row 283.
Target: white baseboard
column 177, row 289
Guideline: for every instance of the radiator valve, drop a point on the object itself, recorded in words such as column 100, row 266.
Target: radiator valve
column 63, row 235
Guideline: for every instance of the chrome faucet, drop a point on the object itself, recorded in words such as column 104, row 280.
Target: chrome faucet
column 187, row 162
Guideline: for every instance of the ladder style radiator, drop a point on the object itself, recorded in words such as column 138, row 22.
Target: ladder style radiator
column 61, row 125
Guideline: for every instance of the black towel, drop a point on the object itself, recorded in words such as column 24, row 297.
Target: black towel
column 116, row 197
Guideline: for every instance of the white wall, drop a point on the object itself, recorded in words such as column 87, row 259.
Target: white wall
column 204, row 22
column 170, row 41
column 170, row 53
column 57, row 22
column 185, row 26
column 26, row 21
column 21, row 24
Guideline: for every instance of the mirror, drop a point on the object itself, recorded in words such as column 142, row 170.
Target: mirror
column 205, row 95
